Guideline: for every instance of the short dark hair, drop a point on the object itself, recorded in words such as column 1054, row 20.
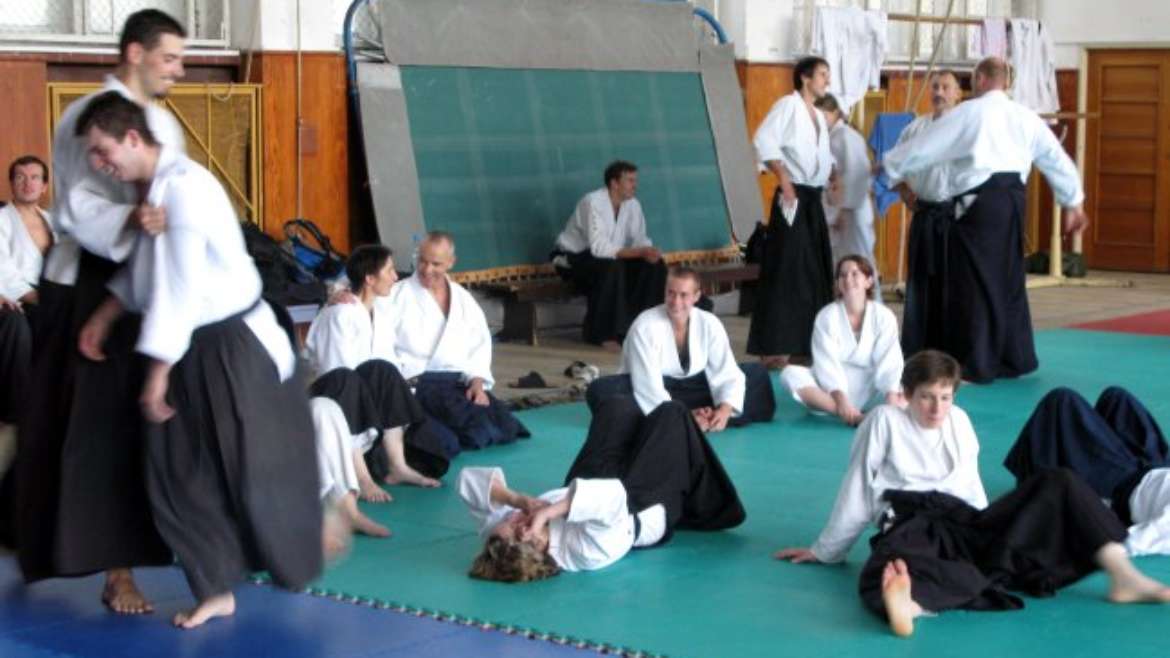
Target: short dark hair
column 115, row 115
column 27, row 160
column 146, row 28
column 951, row 72
column 929, row 367
column 364, row 261
column 805, row 68
column 863, row 264
column 616, row 169
column 994, row 69
column 684, row 272
column 827, row 103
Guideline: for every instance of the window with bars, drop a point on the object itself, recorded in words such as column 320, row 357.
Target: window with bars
column 100, row 21
column 901, row 34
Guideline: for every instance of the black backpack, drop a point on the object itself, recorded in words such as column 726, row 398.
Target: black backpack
column 285, row 281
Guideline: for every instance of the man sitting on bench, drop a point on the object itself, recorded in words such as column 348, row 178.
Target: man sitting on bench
column 605, row 252
column 676, row 351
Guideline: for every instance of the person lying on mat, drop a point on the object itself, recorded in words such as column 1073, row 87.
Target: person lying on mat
column 677, row 351
column 856, row 357
column 915, row 473
column 1116, row 446
column 635, row 480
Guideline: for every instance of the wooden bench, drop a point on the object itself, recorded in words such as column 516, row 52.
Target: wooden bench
column 521, row 297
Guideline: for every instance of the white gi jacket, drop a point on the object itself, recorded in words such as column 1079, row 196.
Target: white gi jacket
column 347, row 335
column 197, row 271
column 1149, row 507
column 789, row 135
column 854, row 43
column 91, row 209
column 649, row 354
column 597, row 532
column 984, row 136
column 863, row 367
column 593, row 228
column 890, row 451
column 20, row 259
column 853, row 174
column 427, row 341
column 931, row 183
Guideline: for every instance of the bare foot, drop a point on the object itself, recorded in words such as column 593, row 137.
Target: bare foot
column 406, row 475
column 121, row 594
column 1138, row 588
column 775, row 362
column 611, row 346
column 900, row 608
column 220, row 605
column 336, row 530
column 354, row 520
column 370, row 492
column 367, row 526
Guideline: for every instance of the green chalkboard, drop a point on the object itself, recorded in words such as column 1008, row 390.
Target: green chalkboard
column 503, row 155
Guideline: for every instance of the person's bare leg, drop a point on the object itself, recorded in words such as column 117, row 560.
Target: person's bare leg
column 1126, row 583
column 336, row 529
column 400, row 471
column 900, row 607
column 121, row 594
column 220, row 605
column 369, row 490
column 817, row 400
column 360, row 522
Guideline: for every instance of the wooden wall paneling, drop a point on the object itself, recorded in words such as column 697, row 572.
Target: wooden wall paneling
column 1039, row 224
column 324, row 143
column 26, row 114
column 1127, row 160
column 763, row 85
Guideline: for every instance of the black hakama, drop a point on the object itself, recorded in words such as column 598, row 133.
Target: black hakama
column 233, row 475
column 663, row 459
column 15, row 355
column 375, row 396
column 459, row 423
column 989, row 323
column 759, row 402
column 1041, row 536
column 796, row 277
column 924, row 320
column 81, row 493
column 616, row 291
column 1105, row 445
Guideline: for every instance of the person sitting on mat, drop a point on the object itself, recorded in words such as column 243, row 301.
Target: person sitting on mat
column 351, row 350
column 1116, row 446
column 635, row 480
column 915, row 472
column 338, row 476
column 605, row 252
column 677, row 351
column 856, row 357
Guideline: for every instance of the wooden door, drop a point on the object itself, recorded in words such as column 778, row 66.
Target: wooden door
column 1127, row 160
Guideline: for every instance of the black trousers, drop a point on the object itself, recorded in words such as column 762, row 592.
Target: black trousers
column 1105, row 444
column 924, row 319
column 796, row 277
column 661, row 459
column 759, row 402
column 616, row 291
column 1041, row 536
column 990, row 324
column 375, row 396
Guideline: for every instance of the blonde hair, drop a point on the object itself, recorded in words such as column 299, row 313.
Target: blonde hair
column 509, row 561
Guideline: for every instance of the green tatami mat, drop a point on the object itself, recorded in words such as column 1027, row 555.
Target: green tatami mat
column 721, row 595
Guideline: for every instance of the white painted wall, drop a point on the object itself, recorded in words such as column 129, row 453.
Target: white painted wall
column 321, row 22
column 1077, row 24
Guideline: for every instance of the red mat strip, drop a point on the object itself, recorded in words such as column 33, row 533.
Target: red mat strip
column 1156, row 323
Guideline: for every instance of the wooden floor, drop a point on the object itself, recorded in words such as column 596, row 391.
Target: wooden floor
column 1051, row 307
